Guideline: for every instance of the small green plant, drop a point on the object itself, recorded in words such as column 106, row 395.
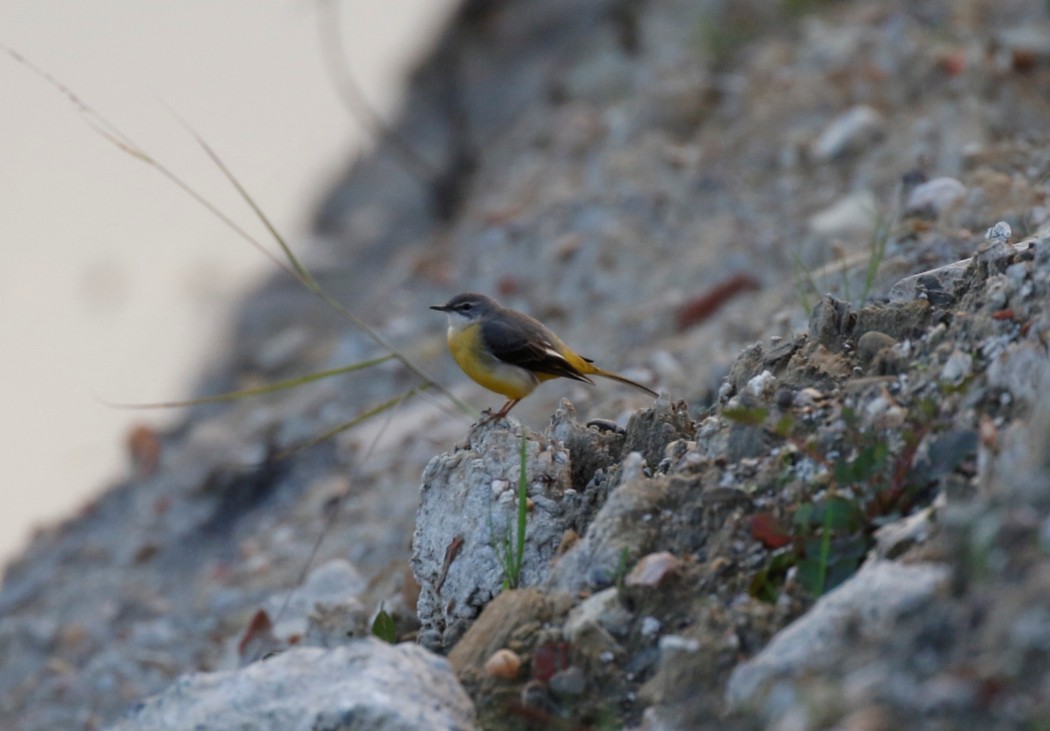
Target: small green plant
column 622, row 566
column 831, row 545
column 384, row 627
column 880, row 237
column 512, row 547
column 808, row 278
column 869, row 483
column 806, row 285
column 746, row 415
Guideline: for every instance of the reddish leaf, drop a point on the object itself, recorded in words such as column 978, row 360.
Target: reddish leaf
column 550, row 659
column 699, row 308
column 767, row 529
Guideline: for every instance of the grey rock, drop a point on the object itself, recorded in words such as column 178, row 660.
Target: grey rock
column 331, row 625
column 935, row 197
column 1032, row 630
column 603, row 608
column 1000, row 233
column 650, row 626
column 467, row 513
column 1014, row 463
column 762, row 386
column 851, row 216
column 830, row 320
column 1024, row 371
column 893, row 539
column 871, row 343
column 631, row 510
column 569, row 682
column 671, row 644
column 866, row 605
column 649, row 431
column 367, row 685
column 849, row 132
column 945, row 279
column 1033, row 38
column 335, row 582
column 958, row 366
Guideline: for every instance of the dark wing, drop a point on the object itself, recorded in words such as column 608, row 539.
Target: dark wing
column 523, row 342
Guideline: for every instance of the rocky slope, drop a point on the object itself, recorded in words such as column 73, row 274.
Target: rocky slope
column 673, row 186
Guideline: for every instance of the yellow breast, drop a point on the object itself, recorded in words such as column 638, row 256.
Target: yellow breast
column 485, row 369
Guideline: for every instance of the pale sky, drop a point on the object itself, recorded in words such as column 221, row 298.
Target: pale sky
column 114, row 284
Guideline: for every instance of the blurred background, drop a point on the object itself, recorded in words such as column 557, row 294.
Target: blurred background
column 114, row 283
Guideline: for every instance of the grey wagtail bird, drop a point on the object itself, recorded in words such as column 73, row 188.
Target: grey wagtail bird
column 511, row 353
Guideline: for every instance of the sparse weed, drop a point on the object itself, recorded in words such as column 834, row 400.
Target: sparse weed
column 813, row 282
column 868, row 482
column 384, row 627
column 511, row 549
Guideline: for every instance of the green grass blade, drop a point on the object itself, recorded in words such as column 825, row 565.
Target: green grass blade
column 523, row 500
column 330, row 26
column 359, row 419
column 825, row 555
column 806, row 283
column 880, row 239
column 112, row 134
column 301, row 273
column 262, row 390
column 116, row 137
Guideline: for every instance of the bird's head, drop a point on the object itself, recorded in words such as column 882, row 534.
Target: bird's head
column 465, row 309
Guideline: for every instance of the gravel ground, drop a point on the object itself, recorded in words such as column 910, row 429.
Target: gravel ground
column 673, row 187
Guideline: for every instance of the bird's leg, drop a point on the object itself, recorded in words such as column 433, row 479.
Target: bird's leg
column 507, row 407
column 502, row 412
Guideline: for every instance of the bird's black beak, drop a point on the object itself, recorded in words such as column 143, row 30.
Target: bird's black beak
column 439, row 308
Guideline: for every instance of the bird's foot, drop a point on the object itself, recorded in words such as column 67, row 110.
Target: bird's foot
column 488, row 415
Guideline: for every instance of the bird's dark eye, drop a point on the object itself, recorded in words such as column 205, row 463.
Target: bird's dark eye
column 466, row 307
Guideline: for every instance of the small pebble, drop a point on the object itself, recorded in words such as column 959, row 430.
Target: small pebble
column 762, row 385
column 870, row 343
column 725, row 391
column 936, row 197
column 677, row 643
column 958, row 366
column 652, row 569
column 852, row 215
column 1000, row 233
column 504, row 664
column 849, row 132
column 569, row 682
column 809, row 396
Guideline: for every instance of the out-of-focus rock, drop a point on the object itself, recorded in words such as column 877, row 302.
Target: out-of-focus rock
column 367, row 685
column 853, row 216
column 936, row 197
column 867, row 605
column 848, row 133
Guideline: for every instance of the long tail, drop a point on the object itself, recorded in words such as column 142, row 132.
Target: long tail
column 617, row 377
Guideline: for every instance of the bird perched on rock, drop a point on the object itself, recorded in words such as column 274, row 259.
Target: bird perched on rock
column 511, row 353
